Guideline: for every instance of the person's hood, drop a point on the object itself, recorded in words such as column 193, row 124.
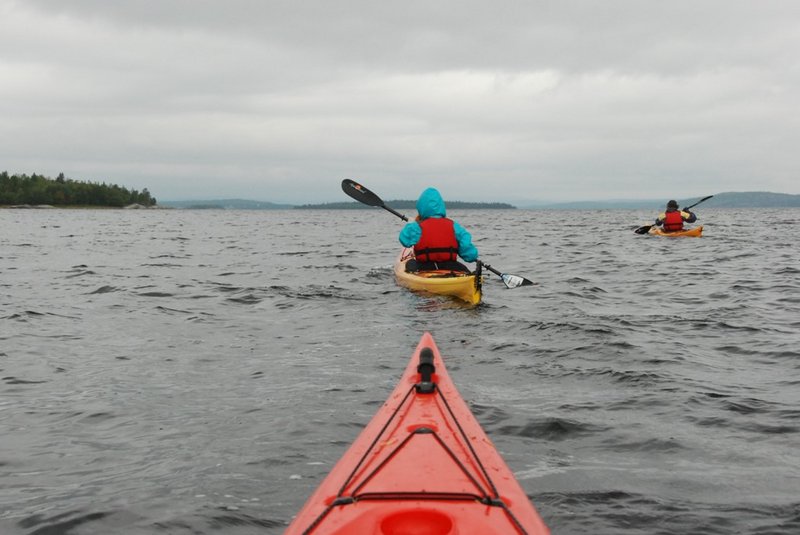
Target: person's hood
column 431, row 204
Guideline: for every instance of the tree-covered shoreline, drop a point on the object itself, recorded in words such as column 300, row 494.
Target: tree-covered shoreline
column 37, row 189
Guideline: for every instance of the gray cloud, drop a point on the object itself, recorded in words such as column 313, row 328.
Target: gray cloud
column 518, row 100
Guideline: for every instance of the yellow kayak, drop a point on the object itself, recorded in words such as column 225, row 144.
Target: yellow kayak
column 464, row 286
column 687, row 233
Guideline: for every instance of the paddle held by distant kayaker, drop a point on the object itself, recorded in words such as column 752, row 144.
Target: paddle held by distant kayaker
column 673, row 219
column 437, row 240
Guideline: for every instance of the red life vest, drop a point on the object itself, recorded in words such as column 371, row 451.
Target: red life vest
column 438, row 242
column 673, row 221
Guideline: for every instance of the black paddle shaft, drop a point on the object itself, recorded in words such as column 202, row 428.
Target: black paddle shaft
column 698, row 202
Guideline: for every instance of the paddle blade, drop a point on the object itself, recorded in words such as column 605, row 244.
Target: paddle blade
column 643, row 230
column 360, row 193
column 513, row 281
column 364, row 195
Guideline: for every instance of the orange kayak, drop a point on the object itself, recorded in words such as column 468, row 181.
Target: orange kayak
column 695, row 232
column 422, row 466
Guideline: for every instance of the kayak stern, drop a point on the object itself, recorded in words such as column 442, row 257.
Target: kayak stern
column 467, row 287
column 695, row 232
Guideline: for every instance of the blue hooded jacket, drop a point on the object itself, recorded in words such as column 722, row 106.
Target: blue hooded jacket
column 431, row 204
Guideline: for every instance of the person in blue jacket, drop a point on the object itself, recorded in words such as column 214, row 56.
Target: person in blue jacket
column 437, row 240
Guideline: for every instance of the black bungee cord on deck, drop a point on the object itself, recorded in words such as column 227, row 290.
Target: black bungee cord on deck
column 426, row 386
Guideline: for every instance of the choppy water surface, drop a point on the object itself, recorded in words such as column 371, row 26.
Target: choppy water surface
column 199, row 371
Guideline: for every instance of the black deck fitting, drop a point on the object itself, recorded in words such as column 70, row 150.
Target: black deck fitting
column 426, row 370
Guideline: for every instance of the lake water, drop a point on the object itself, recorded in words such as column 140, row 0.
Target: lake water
column 199, row 372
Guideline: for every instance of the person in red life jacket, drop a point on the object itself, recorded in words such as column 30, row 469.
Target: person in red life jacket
column 437, row 240
column 673, row 219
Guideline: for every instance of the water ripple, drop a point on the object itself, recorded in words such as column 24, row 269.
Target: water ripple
column 199, row 372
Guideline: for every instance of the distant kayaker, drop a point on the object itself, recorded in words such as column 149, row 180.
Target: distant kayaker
column 673, row 219
column 437, row 240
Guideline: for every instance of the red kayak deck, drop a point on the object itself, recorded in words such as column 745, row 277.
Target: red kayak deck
column 422, row 466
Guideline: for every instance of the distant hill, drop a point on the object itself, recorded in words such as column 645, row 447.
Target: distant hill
column 244, row 204
column 753, row 199
column 226, row 204
column 730, row 199
column 598, row 205
column 409, row 205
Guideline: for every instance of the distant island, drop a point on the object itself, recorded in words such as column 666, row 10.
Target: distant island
column 38, row 190
column 25, row 191
column 729, row 199
column 226, row 204
column 751, row 199
column 244, row 204
column 408, row 205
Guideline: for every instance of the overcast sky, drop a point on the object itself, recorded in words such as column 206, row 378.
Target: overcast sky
column 498, row 101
